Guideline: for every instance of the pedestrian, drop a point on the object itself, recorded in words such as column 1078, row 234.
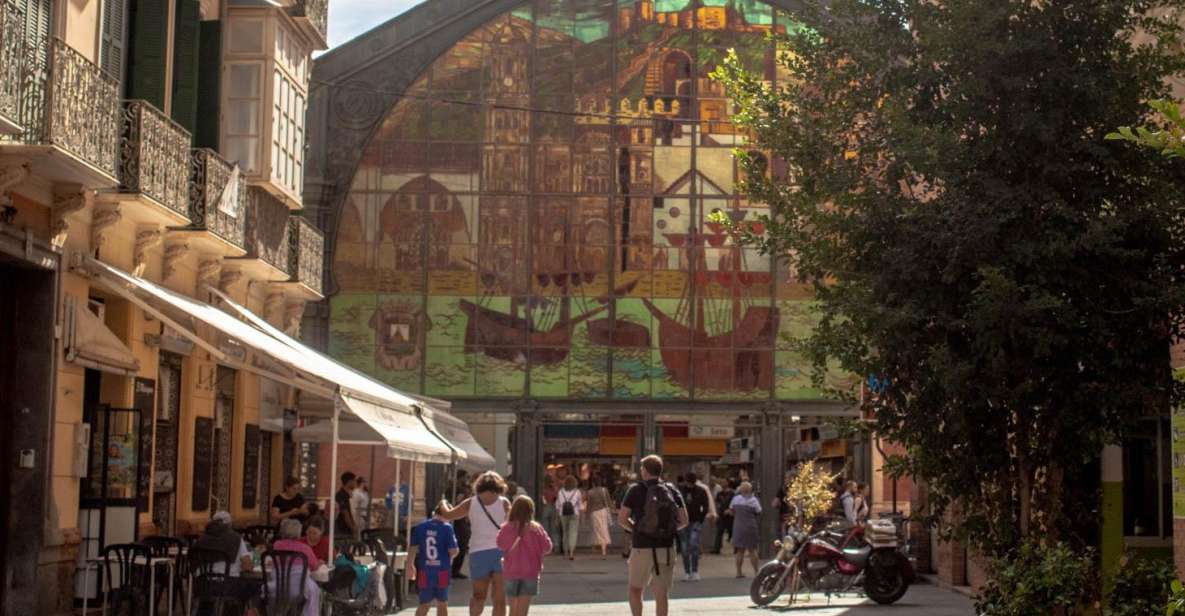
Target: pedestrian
column 746, row 511
column 654, row 512
column 848, row 503
column 360, row 504
column 462, row 530
column 861, row 504
column 486, row 511
column 290, row 503
column 571, row 504
column 724, row 525
column 699, row 505
column 345, row 524
column 433, row 545
column 600, row 505
column 524, row 543
column 549, row 517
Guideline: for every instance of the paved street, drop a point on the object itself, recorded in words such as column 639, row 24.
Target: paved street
column 590, row 586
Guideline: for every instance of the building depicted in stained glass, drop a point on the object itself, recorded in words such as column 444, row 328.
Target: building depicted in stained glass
column 516, row 198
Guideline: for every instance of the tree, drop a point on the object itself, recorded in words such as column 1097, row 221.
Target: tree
column 939, row 175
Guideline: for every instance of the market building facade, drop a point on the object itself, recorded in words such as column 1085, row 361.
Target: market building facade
column 518, row 198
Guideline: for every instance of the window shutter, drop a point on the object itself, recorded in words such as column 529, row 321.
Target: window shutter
column 114, row 38
column 37, row 20
column 209, row 83
column 146, row 51
column 186, row 43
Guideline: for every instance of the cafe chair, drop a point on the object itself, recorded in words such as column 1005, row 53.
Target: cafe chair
column 259, row 535
column 284, row 593
column 166, row 547
column 197, row 563
column 127, row 580
column 392, row 579
column 213, row 591
column 339, row 598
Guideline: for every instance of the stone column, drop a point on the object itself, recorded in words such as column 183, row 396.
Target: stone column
column 527, row 453
column 771, row 468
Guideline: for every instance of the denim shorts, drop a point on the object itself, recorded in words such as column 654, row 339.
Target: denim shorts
column 522, row 588
column 485, row 563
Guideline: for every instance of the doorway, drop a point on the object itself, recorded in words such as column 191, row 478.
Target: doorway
column 168, row 414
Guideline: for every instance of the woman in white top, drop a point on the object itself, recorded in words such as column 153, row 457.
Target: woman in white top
column 487, row 512
column 570, row 503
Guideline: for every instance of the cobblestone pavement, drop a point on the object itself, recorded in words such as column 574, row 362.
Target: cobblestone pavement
column 590, row 586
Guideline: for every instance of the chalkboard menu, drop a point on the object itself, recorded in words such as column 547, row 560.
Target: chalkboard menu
column 144, row 401
column 251, row 467
column 203, row 462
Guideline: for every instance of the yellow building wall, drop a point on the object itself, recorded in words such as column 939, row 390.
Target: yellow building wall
column 81, row 26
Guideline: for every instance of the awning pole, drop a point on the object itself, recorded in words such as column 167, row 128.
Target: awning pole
column 411, row 501
column 397, row 500
column 333, row 479
column 368, row 492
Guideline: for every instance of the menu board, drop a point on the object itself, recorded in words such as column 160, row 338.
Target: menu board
column 203, row 462
column 251, row 467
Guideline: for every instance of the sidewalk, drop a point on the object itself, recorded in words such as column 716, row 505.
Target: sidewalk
column 598, row 588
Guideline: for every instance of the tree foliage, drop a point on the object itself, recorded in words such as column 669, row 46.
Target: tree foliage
column 939, row 174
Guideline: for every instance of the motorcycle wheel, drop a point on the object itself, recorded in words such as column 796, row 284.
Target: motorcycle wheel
column 885, row 585
column 767, row 586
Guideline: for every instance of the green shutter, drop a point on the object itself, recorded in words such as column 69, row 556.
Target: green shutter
column 209, row 83
column 38, row 14
column 114, row 38
column 146, row 51
column 186, row 40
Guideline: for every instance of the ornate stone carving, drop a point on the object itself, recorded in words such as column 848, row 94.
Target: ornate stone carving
column 209, row 270
column 228, row 277
column 293, row 314
column 64, row 204
column 147, row 238
column 11, row 175
column 174, row 252
column 358, row 105
column 105, row 217
column 273, row 305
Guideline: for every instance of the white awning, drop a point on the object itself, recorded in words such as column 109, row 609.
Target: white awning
column 388, row 413
column 404, row 434
column 471, row 456
column 90, row 343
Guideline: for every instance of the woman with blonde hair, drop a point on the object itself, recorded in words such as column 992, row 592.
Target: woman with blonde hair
column 746, row 513
column 524, row 543
column 570, row 502
column 600, row 505
column 486, row 512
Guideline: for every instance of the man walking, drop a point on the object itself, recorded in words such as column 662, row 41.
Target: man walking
column 346, row 526
column 654, row 512
column 698, row 499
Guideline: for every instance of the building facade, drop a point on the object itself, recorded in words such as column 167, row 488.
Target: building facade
column 160, row 142
column 519, row 201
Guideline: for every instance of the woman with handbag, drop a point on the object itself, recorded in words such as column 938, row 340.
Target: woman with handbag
column 486, row 512
column 600, row 505
column 570, row 503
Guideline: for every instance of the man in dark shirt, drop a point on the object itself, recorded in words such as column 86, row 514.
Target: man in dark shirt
column 647, row 566
column 698, row 502
column 345, row 525
column 723, row 502
column 290, row 503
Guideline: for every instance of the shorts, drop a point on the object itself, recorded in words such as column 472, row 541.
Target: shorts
column 485, row 563
column 432, row 586
column 641, row 566
column 522, row 588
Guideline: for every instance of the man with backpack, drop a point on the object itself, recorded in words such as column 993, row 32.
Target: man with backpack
column 654, row 512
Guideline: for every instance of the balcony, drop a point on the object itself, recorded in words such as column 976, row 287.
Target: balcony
column 217, row 205
column 306, row 256
column 154, row 165
column 70, row 114
column 267, row 237
column 12, row 24
column 313, row 17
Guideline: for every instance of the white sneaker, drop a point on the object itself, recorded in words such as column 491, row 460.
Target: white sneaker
column 695, row 576
column 687, row 577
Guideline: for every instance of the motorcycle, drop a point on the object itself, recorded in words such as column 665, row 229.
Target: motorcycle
column 836, row 560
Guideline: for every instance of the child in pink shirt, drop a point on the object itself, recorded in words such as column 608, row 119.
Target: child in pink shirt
column 524, row 543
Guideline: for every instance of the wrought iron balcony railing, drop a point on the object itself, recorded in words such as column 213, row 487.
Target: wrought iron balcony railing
column 12, row 24
column 306, row 253
column 68, row 103
column 268, row 234
column 217, row 198
column 154, row 156
column 315, row 13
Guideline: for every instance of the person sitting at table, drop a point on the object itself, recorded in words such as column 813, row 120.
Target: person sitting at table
column 290, row 540
column 316, row 539
column 290, row 503
column 220, row 535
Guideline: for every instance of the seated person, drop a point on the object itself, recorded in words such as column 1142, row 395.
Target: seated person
column 289, row 540
column 220, row 535
column 316, row 539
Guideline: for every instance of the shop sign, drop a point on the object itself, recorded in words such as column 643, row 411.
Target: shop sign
column 716, row 431
column 576, row 446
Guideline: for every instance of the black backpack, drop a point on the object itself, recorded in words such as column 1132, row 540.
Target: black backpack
column 658, row 521
column 568, row 509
